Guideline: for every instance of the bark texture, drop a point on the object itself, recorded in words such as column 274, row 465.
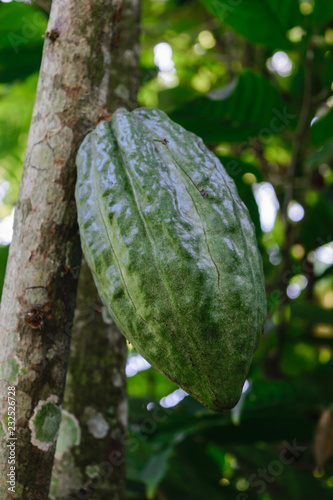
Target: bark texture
column 89, row 61
column 90, row 454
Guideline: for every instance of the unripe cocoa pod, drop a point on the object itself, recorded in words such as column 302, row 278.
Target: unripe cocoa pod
column 173, row 252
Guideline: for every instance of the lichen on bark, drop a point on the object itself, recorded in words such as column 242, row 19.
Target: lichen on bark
column 96, row 395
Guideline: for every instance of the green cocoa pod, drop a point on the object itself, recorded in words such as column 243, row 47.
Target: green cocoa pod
column 173, row 252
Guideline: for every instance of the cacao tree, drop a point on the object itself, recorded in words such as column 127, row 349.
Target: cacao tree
column 84, row 75
column 253, row 80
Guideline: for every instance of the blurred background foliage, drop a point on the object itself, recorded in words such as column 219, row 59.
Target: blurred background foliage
column 253, row 78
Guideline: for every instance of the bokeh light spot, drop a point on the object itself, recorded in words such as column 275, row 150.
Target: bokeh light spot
column 329, row 36
column 324, row 355
column 173, row 399
column 206, row 39
column 306, row 7
column 163, row 56
column 135, row 364
column 249, row 178
column 296, row 34
column 267, row 203
column 297, row 251
column 280, row 63
column 295, row 211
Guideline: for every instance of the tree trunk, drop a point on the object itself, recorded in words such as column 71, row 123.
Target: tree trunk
column 89, row 64
column 90, row 454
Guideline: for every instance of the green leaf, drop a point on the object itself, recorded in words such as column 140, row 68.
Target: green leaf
column 322, row 12
column 284, row 478
column 328, row 68
column 194, row 475
column 236, row 169
column 147, row 73
column 246, row 108
column 149, row 382
column 3, row 263
column 324, row 154
column 311, row 313
column 316, row 226
column 168, row 99
column 16, row 107
column 265, row 22
column 148, row 459
column 19, row 66
column 21, row 42
column 276, row 393
column 322, row 129
column 299, row 359
column 155, row 470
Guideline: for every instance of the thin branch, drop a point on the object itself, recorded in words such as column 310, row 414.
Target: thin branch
column 301, row 132
column 272, row 367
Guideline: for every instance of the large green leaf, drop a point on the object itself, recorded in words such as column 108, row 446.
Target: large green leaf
column 322, row 12
column 21, row 42
column 265, row 22
column 247, row 108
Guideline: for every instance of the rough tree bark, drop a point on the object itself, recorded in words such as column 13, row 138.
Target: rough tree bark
column 90, row 454
column 85, row 73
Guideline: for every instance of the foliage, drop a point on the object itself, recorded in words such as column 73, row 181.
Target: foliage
column 269, row 122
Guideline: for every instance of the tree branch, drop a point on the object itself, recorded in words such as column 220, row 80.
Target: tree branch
column 301, row 132
column 272, row 367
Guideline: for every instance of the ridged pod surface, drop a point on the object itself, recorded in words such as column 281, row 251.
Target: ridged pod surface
column 173, row 252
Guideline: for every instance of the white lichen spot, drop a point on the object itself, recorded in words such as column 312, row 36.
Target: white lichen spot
column 69, row 434
column 59, row 101
column 53, row 124
column 35, row 296
column 123, row 412
column 116, row 378
column 51, row 353
column 44, row 423
column 36, row 358
column 96, row 423
column 92, row 471
column 122, row 91
column 106, row 77
column 41, row 156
